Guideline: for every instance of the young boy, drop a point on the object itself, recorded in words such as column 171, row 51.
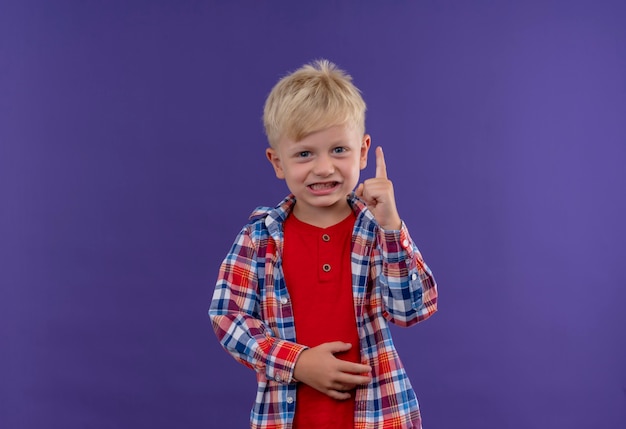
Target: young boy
column 306, row 293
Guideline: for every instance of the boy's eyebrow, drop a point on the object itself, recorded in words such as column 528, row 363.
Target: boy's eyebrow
column 300, row 146
column 340, row 141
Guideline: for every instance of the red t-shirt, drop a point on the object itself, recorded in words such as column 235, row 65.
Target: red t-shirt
column 316, row 264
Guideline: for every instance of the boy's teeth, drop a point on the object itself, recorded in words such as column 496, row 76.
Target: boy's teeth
column 318, row 186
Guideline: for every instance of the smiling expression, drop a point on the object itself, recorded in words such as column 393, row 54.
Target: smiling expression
column 321, row 170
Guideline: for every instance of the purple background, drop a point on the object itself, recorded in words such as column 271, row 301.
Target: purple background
column 132, row 151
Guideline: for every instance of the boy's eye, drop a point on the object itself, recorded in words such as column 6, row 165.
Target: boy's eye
column 339, row 150
column 304, row 154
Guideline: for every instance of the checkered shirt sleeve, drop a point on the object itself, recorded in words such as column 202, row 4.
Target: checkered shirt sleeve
column 235, row 313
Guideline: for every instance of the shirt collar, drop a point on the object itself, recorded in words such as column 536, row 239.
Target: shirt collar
column 275, row 216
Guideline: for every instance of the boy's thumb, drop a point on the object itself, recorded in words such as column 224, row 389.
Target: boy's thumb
column 359, row 190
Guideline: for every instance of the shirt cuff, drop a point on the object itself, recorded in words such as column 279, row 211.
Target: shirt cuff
column 282, row 359
column 396, row 242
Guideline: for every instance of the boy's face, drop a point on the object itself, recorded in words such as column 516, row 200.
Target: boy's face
column 321, row 170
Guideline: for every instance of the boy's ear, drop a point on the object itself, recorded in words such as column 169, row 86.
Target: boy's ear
column 273, row 158
column 365, row 147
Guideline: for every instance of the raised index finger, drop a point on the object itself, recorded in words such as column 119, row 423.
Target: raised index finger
column 381, row 167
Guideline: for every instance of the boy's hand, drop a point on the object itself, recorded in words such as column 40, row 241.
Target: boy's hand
column 319, row 368
column 379, row 197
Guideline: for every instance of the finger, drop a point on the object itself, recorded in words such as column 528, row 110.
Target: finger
column 353, row 379
column 339, row 396
column 354, row 368
column 337, row 347
column 381, row 167
column 342, row 387
column 359, row 190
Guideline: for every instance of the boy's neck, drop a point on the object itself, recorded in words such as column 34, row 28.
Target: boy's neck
column 322, row 217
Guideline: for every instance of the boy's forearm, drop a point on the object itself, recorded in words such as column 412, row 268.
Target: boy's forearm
column 408, row 287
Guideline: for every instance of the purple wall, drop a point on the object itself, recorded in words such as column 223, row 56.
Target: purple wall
column 131, row 152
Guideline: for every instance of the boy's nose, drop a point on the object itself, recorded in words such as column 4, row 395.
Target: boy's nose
column 324, row 166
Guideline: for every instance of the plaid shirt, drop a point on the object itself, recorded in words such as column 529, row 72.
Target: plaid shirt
column 253, row 319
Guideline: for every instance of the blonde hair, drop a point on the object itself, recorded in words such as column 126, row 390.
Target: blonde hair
column 314, row 97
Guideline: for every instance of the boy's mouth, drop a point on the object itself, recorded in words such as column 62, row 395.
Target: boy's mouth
column 323, row 186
